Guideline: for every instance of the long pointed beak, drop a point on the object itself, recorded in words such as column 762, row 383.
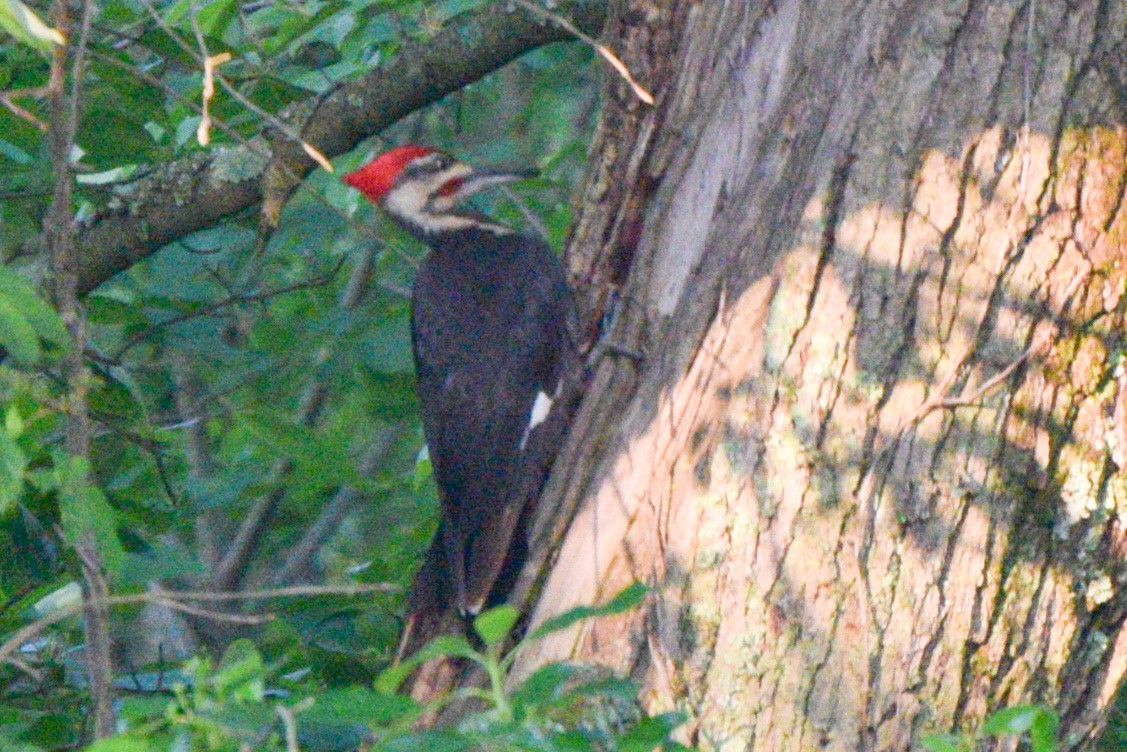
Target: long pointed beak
column 481, row 178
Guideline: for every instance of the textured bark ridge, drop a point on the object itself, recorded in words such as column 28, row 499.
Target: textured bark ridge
column 875, row 458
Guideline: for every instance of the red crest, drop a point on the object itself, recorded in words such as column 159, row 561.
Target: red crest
column 378, row 176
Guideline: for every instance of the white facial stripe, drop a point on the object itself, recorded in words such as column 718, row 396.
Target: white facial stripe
column 417, row 203
column 407, row 200
column 410, row 198
column 540, row 409
column 410, row 203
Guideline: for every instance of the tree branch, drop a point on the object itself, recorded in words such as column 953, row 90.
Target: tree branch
column 233, row 299
column 231, row 570
column 196, row 192
column 60, row 237
column 176, row 599
column 300, row 558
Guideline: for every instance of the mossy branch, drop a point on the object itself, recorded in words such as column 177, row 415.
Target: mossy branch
column 198, row 191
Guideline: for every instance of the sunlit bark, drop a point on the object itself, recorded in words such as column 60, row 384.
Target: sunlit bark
column 873, row 458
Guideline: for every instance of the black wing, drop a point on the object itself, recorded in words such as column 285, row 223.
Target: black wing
column 490, row 320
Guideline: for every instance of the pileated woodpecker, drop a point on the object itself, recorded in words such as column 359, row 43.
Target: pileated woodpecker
column 491, row 325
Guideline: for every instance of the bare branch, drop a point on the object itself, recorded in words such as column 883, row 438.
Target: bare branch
column 293, row 591
column 7, row 98
column 33, row 673
column 59, row 233
column 605, row 52
column 210, row 522
column 96, row 626
column 198, row 191
column 230, row 300
column 232, row 567
column 175, row 599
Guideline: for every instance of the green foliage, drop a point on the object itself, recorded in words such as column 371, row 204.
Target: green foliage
column 246, row 700
column 27, row 322
column 1114, row 737
column 629, row 598
column 204, row 361
column 1033, row 723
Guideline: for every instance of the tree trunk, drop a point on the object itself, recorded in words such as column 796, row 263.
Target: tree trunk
column 873, row 456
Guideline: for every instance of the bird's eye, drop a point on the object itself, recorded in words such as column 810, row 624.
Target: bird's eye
column 441, row 161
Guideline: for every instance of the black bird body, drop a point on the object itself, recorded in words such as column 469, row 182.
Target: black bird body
column 488, row 323
column 491, row 324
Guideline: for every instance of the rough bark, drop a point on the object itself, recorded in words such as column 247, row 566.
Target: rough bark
column 874, row 458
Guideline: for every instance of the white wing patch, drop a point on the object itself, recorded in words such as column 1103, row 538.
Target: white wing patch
column 540, row 409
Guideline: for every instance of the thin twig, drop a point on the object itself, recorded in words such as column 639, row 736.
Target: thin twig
column 33, row 673
column 530, row 217
column 174, row 95
column 1040, row 342
column 231, row 569
column 615, row 62
column 938, row 400
column 207, row 613
column 208, row 61
column 360, row 229
column 973, row 398
column 30, row 92
column 302, row 553
column 289, row 723
column 292, row 591
column 146, row 444
column 230, row 300
column 175, row 599
column 197, row 453
column 6, row 99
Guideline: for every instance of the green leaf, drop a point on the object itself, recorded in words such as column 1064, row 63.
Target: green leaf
column 424, row 470
column 942, row 743
column 120, row 744
column 494, row 625
column 19, row 156
column 241, row 719
column 322, row 455
column 12, row 466
column 17, row 335
column 42, row 317
column 241, row 673
column 104, row 310
column 1043, row 732
column 19, row 21
column 650, row 733
column 625, row 600
column 439, row 647
column 13, row 422
column 435, row 740
column 360, row 705
column 1015, row 720
column 83, row 510
column 17, row 747
column 545, row 684
column 212, row 17
column 66, row 596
